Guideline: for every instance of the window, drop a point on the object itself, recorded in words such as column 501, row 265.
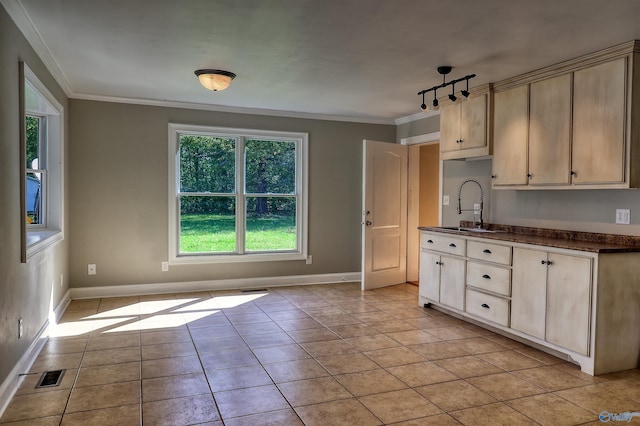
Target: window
column 236, row 195
column 41, row 158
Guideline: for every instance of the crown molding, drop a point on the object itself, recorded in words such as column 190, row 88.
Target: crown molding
column 415, row 117
column 236, row 110
column 19, row 15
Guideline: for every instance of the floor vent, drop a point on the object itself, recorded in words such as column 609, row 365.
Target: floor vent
column 256, row 290
column 50, row 379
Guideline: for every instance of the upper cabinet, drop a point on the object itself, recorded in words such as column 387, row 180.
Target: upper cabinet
column 599, row 106
column 570, row 125
column 465, row 126
column 511, row 111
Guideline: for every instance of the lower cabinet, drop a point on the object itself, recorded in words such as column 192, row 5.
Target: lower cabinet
column 551, row 297
column 578, row 303
column 529, row 292
column 442, row 279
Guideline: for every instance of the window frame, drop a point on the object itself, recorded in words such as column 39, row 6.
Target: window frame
column 301, row 194
column 37, row 100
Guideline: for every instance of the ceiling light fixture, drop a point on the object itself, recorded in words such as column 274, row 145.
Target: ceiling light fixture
column 215, row 80
column 444, row 70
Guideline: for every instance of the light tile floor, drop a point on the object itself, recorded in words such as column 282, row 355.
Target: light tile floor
column 313, row 355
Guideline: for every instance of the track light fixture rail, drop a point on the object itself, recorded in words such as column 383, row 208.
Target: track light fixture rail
column 444, row 70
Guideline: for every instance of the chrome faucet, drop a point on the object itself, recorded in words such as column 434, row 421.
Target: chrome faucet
column 460, row 210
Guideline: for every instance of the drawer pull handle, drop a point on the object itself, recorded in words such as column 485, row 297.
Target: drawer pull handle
column 484, row 305
column 452, row 245
column 430, row 241
column 486, row 276
column 486, row 251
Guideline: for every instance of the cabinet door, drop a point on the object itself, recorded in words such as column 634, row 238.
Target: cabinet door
column 429, row 276
column 599, row 109
column 549, row 131
column 450, row 128
column 473, row 122
column 452, row 282
column 528, row 291
column 569, row 302
column 510, row 130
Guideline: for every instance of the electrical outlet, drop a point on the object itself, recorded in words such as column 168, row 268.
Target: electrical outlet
column 91, row 269
column 309, row 260
column 445, row 200
column 20, row 328
column 623, row 216
column 165, row 266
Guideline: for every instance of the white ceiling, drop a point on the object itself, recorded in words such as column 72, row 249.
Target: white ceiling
column 360, row 60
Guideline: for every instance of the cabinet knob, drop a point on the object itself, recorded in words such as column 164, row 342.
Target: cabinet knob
column 529, row 175
column 574, row 174
column 486, row 251
column 543, row 262
column 430, row 241
column 438, row 263
column 486, row 277
column 546, row 262
column 452, row 245
column 368, row 223
column 493, row 176
column 484, row 305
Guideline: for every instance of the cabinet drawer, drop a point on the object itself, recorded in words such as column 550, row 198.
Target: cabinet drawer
column 492, row 308
column 489, row 252
column 443, row 243
column 489, row 277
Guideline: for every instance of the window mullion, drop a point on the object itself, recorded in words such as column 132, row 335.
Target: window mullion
column 240, row 196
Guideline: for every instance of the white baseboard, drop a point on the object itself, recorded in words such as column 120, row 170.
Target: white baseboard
column 13, row 380
column 211, row 285
column 9, row 387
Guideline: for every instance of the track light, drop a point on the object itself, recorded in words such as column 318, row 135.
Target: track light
column 444, row 70
column 465, row 93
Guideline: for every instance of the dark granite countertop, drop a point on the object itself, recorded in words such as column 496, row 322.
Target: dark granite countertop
column 572, row 240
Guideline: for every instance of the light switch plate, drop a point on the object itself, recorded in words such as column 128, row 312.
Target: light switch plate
column 445, row 200
column 623, row 216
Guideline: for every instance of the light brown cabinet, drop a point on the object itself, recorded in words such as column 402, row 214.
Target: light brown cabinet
column 550, row 131
column 599, row 108
column 510, row 115
column 570, row 126
column 464, row 128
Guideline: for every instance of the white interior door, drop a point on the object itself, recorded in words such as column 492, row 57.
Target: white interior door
column 384, row 214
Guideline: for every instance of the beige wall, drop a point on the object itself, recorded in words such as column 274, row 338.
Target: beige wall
column 26, row 290
column 118, row 185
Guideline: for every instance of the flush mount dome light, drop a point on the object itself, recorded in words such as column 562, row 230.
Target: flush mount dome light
column 215, row 80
